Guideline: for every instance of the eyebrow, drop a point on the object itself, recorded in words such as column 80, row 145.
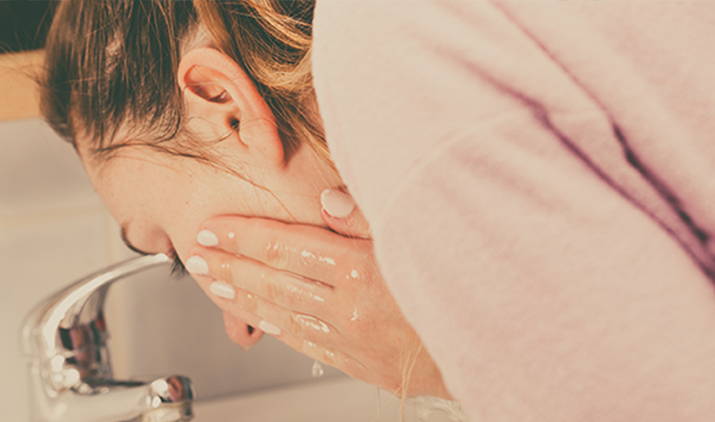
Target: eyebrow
column 123, row 235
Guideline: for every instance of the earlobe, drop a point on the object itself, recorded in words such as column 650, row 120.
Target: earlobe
column 217, row 88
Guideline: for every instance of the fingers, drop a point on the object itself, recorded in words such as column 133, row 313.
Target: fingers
column 342, row 215
column 271, row 318
column 310, row 251
column 239, row 332
column 307, row 347
column 282, row 288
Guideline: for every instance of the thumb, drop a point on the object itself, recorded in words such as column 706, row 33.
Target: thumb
column 239, row 332
column 342, row 215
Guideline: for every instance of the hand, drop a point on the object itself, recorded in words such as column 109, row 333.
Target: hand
column 245, row 335
column 317, row 291
column 340, row 214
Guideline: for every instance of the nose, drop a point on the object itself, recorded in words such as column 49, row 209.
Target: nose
column 145, row 238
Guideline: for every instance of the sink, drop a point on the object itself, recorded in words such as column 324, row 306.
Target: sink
column 67, row 343
column 336, row 399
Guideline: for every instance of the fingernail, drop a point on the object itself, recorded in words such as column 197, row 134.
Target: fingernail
column 336, row 203
column 197, row 265
column 207, row 238
column 222, row 289
column 269, row 328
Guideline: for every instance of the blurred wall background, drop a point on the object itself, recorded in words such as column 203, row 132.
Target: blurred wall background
column 24, row 24
column 23, row 28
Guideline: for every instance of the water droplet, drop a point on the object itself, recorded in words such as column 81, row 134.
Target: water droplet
column 327, row 260
column 317, row 370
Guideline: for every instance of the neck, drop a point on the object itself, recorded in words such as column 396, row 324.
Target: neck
column 303, row 179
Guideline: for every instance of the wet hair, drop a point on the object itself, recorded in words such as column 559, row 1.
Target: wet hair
column 111, row 66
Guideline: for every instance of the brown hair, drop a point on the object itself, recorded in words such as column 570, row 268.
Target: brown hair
column 112, row 64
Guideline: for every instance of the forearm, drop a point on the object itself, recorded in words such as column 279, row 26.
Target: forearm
column 555, row 302
column 648, row 356
column 630, row 339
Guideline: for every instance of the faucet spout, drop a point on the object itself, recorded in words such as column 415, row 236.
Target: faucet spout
column 65, row 339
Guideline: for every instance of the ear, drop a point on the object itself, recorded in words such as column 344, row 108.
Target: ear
column 218, row 91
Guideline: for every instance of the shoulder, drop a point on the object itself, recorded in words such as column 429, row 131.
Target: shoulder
column 396, row 80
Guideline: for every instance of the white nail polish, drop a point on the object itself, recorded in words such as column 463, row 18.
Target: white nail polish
column 336, row 203
column 197, row 265
column 207, row 238
column 269, row 328
column 222, row 289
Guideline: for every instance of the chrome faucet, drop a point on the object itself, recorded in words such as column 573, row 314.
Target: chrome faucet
column 71, row 379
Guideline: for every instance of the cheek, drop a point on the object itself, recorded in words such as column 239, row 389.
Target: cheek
column 151, row 198
column 199, row 196
column 133, row 189
column 214, row 192
column 174, row 197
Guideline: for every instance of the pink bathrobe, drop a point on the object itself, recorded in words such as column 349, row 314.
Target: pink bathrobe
column 539, row 176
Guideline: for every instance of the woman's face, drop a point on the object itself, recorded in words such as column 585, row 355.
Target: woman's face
column 160, row 200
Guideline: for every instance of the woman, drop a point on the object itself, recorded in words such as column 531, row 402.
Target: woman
column 530, row 213
column 172, row 131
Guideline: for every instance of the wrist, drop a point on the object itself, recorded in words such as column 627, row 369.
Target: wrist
column 426, row 380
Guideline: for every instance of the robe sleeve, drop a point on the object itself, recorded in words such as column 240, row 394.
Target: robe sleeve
column 542, row 292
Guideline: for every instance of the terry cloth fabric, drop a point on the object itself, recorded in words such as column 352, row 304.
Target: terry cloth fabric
column 539, row 176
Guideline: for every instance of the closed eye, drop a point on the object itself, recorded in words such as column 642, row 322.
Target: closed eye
column 177, row 267
column 125, row 239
